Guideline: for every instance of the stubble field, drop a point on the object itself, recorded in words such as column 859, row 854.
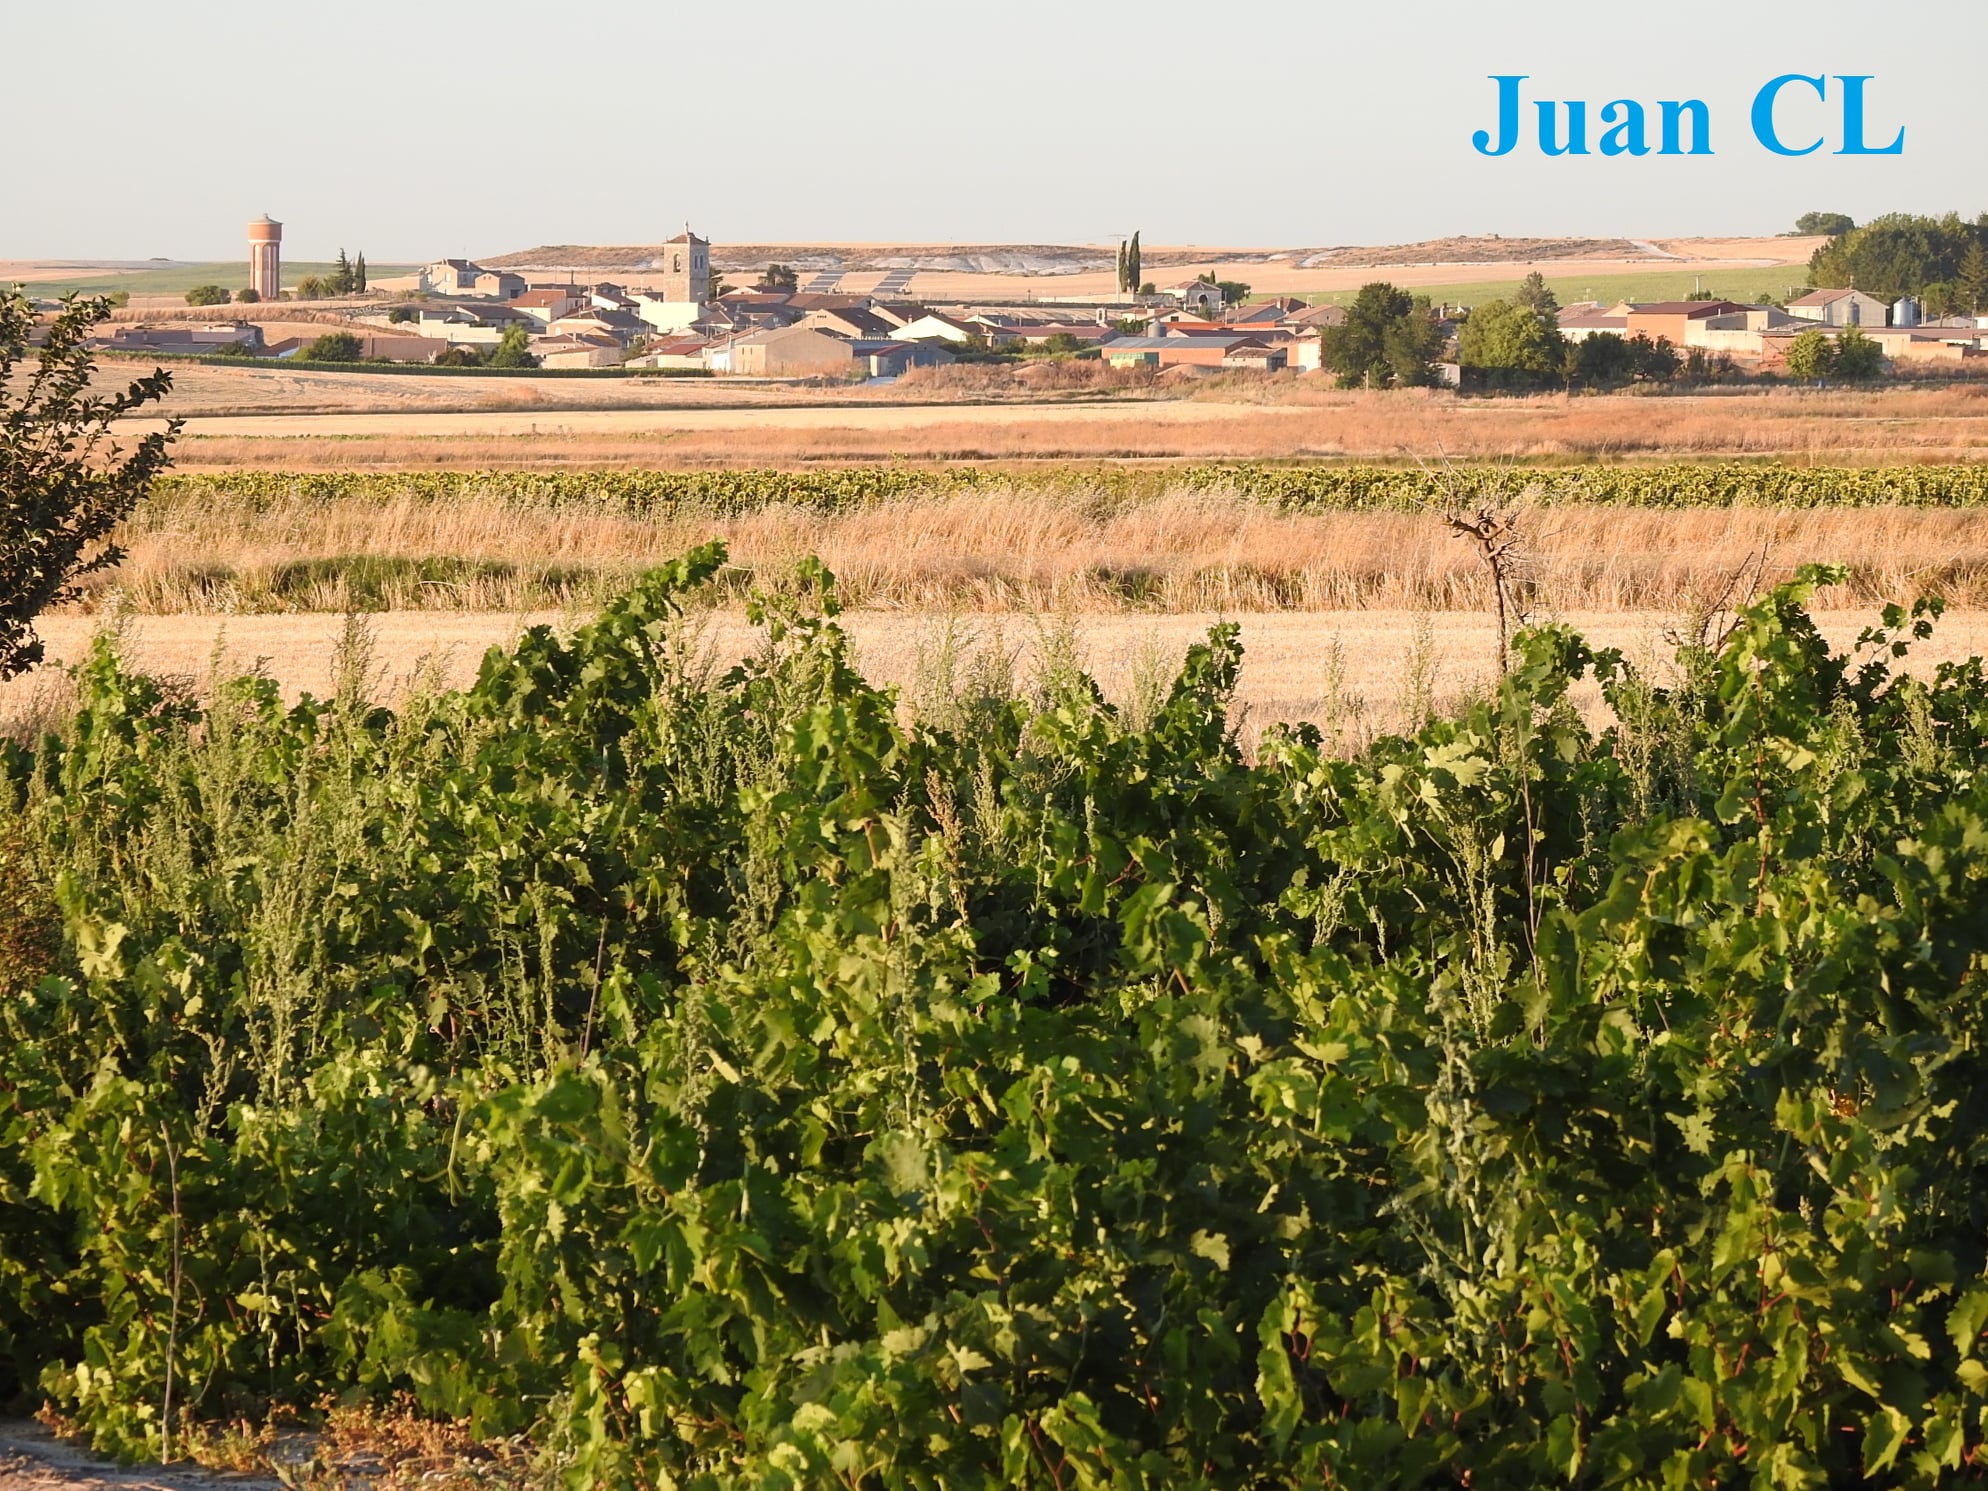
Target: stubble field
column 273, row 419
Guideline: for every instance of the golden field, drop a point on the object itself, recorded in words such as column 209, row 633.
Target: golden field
column 1017, row 548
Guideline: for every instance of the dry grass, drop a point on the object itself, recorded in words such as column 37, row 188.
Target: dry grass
column 1017, row 549
column 1234, row 416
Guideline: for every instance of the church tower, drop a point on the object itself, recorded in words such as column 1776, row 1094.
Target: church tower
column 686, row 268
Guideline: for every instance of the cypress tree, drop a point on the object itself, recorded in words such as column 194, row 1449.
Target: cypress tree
column 1132, row 277
column 359, row 273
column 1121, row 266
column 1973, row 277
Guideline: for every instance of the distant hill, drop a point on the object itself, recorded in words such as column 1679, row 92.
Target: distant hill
column 1061, row 258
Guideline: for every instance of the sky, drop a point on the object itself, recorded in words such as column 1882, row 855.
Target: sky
column 414, row 131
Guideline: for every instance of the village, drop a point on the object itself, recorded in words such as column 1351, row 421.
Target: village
column 677, row 316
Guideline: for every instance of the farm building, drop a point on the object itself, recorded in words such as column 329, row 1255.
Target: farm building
column 1840, row 308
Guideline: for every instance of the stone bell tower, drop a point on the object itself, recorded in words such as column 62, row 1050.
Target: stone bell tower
column 685, row 263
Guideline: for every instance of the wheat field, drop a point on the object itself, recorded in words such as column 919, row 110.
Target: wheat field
column 1012, row 549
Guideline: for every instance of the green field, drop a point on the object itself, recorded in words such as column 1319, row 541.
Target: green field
column 177, row 279
column 1746, row 285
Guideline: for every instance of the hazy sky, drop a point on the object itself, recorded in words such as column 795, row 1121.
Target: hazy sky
column 415, row 130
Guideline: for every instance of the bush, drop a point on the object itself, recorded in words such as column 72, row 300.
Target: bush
column 207, row 295
column 249, row 296
column 336, row 346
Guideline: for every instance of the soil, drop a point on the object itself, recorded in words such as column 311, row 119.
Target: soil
column 33, row 1459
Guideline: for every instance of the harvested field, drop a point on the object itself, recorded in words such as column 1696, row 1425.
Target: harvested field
column 1355, row 673
column 1233, row 417
column 586, row 422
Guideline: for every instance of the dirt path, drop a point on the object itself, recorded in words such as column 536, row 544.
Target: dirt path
column 32, row 1459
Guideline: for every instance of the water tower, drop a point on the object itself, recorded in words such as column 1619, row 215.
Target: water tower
column 266, row 257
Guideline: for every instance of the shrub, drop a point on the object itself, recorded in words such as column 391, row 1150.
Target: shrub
column 249, row 296
column 207, row 295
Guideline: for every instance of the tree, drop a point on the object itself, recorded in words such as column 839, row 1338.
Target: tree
column 65, row 484
column 400, row 315
column 1536, row 296
column 1132, row 266
column 1412, row 344
column 1602, row 360
column 310, row 287
column 779, row 277
column 1858, row 358
column 1894, row 255
column 1234, row 292
column 335, row 346
column 207, row 295
column 359, row 273
column 1811, row 356
column 339, row 281
column 1388, row 338
column 1652, row 362
column 1943, row 298
column 1834, row 224
column 1971, row 279
column 513, row 350
column 1512, row 344
column 118, row 299
column 248, row 296
column 1123, row 286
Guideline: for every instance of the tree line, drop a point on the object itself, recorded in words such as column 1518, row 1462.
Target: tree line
column 1942, row 261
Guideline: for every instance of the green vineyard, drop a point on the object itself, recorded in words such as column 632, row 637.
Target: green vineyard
column 735, row 1082
column 1329, row 487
